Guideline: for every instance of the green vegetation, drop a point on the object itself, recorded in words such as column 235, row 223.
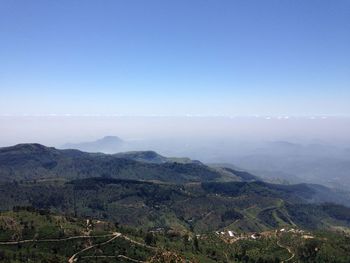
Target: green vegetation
column 60, row 205
column 241, row 206
column 30, row 235
column 37, row 162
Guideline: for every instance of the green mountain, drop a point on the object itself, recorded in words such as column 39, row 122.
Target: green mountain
column 235, row 173
column 37, row 162
column 187, row 195
column 153, row 157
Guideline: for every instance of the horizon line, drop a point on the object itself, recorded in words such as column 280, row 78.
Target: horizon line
column 264, row 116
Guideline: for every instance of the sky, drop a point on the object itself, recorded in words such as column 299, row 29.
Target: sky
column 197, row 57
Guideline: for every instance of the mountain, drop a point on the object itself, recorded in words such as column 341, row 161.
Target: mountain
column 235, row 172
column 143, row 156
column 27, row 162
column 37, row 162
column 153, row 157
column 108, row 144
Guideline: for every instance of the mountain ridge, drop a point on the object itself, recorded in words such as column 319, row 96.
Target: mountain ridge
column 35, row 161
column 38, row 162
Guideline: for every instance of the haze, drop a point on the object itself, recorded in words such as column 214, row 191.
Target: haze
column 174, row 76
column 57, row 130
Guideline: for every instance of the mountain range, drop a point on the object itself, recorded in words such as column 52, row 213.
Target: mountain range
column 149, row 183
column 179, row 199
column 314, row 162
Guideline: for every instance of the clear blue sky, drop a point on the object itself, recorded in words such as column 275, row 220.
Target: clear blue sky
column 176, row 57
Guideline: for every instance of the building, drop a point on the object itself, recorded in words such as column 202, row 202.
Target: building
column 231, row 234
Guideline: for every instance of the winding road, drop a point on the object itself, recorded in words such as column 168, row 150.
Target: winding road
column 74, row 259
column 49, row 240
column 118, row 256
column 289, row 251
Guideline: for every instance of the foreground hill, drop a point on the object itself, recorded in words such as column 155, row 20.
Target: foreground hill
column 30, row 235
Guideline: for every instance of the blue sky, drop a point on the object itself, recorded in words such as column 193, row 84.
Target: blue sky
column 178, row 57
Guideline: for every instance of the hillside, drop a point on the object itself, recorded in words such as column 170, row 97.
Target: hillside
column 37, row 162
column 153, row 157
column 143, row 156
column 30, row 235
column 200, row 207
column 234, row 172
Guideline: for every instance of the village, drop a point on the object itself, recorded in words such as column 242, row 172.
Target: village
column 231, row 236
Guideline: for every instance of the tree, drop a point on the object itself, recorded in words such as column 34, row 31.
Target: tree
column 150, row 239
column 196, row 243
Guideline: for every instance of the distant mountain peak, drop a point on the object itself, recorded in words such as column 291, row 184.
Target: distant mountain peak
column 107, row 144
column 111, row 139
